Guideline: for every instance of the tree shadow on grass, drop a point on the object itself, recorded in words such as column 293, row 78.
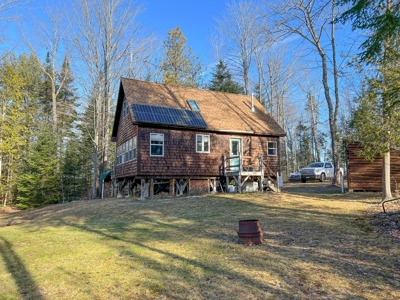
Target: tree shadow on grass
column 27, row 286
column 292, row 234
column 297, row 235
column 203, row 282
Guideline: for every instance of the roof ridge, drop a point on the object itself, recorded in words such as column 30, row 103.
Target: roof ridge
column 185, row 87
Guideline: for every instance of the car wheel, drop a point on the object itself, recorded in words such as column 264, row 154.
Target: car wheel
column 323, row 177
column 303, row 180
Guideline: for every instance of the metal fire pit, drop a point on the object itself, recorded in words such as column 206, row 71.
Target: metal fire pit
column 250, row 232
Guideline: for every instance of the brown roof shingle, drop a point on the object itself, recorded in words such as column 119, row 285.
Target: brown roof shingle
column 221, row 111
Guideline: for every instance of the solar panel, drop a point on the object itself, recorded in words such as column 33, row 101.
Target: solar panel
column 168, row 116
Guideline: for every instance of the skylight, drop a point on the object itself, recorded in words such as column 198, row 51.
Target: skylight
column 193, row 105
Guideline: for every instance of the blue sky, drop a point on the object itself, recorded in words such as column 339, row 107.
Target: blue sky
column 196, row 19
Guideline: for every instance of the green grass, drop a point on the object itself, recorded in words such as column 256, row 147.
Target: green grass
column 318, row 245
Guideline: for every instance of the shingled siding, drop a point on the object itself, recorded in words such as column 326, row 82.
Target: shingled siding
column 126, row 131
column 367, row 176
column 180, row 157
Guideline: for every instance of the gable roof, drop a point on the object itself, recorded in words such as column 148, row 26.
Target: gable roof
column 222, row 112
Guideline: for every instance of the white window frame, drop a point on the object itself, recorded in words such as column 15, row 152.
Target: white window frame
column 132, row 149
column 202, row 143
column 125, row 109
column 123, row 153
column 162, row 145
column 272, row 148
column 127, row 151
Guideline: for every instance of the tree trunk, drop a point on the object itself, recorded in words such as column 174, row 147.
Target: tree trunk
column 95, row 170
column 54, row 103
column 314, row 126
column 386, row 190
column 336, row 157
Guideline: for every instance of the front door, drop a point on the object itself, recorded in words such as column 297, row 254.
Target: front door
column 236, row 148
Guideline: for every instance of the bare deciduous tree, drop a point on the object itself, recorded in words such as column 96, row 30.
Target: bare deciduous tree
column 241, row 30
column 49, row 34
column 313, row 21
column 106, row 35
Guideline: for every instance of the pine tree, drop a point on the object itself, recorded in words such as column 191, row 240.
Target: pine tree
column 381, row 52
column 222, row 81
column 374, row 122
column 180, row 65
column 39, row 181
column 20, row 80
column 45, row 92
column 76, row 171
column 66, row 106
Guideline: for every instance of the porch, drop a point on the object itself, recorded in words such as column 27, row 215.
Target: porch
column 241, row 169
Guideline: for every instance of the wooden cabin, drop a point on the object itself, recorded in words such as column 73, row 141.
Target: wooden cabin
column 184, row 140
column 363, row 175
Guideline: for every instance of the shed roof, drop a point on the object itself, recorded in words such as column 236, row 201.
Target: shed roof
column 221, row 111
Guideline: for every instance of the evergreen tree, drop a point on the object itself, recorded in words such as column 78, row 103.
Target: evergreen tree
column 180, row 65
column 76, row 171
column 66, row 104
column 39, row 181
column 374, row 123
column 305, row 151
column 379, row 102
column 20, row 80
column 380, row 19
column 45, row 91
column 222, row 81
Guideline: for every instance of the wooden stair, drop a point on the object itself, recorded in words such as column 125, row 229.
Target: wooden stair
column 269, row 185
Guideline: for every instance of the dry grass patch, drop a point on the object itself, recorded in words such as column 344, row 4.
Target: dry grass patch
column 319, row 245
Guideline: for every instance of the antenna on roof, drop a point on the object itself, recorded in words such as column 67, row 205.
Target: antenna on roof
column 252, row 102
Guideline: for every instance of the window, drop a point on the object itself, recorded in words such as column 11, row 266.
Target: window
column 328, row 165
column 193, row 105
column 272, row 149
column 202, row 143
column 156, row 144
column 125, row 109
column 132, row 149
column 126, row 151
column 122, row 153
column 118, row 155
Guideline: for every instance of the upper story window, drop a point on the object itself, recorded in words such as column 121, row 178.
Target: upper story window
column 202, row 143
column 193, row 105
column 272, row 148
column 132, row 149
column 127, row 151
column 125, row 109
column 156, row 144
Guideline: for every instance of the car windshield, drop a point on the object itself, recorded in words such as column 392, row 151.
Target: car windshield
column 315, row 165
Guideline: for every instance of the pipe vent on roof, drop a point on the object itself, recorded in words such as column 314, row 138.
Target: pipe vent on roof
column 252, row 102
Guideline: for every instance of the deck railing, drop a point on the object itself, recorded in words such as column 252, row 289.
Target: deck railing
column 243, row 164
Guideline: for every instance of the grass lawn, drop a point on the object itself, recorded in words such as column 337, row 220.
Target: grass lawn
column 319, row 244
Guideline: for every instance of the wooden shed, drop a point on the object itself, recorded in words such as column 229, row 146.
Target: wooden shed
column 190, row 140
column 363, row 175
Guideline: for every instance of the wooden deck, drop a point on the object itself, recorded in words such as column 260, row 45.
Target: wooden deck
column 245, row 168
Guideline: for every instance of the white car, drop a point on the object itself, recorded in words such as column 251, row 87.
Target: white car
column 318, row 171
column 295, row 176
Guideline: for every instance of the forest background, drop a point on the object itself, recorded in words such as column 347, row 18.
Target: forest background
column 61, row 62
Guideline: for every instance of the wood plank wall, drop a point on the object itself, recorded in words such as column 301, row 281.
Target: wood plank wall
column 126, row 131
column 180, row 157
column 367, row 176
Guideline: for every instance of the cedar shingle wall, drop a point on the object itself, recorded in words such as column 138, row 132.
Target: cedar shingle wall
column 126, row 131
column 367, row 176
column 180, row 157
